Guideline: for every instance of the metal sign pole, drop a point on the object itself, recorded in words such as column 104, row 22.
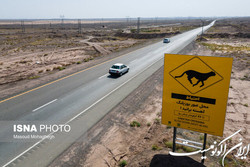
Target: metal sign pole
column 204, row 147
column 174, row 137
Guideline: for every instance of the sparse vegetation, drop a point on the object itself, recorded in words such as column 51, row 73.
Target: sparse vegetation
column 169, row 144
column 23, row 61
column 157, row 121
column 226, row 161
column 86, row 59
column 243, row 78
column 61, row 68
column 246, row 105
column 222, row 47
column 123, row 163
column 159, row 114
column 187, row 149
column 133, row 30
column 150, row 30
column 156, row 147
column 181, row 148
column 135, row 124
column 34, row 77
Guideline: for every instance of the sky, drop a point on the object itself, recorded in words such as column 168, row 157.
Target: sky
column 80, row 9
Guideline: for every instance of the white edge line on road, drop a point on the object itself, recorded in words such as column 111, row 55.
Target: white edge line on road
column 79, row 114
column 103, row 76
column 44, row 105
column 111, row 92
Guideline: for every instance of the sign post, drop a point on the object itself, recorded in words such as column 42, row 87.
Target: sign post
column 204, row 147
column 186, row 143
column 174, row 138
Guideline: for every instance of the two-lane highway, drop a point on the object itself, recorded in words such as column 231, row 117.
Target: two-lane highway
column 80, row 100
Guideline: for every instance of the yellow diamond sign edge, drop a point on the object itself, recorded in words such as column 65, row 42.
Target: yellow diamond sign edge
column 195, row 92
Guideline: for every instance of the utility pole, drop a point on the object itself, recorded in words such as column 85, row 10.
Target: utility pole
column 138, row 25
column 202, row 27
column 127, row 19
column 101, row 22
column 156, row 19
column 62, row 21
column 22, row 26
column 79, row 26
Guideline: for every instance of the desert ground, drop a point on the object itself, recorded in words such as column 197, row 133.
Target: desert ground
column 35, row 52
column 131, row 134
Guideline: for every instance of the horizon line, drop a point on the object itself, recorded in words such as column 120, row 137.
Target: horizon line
column 124, row 18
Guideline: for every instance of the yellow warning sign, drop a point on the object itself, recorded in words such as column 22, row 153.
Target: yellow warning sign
column 195, row 91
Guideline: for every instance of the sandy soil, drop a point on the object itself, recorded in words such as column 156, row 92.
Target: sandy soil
column 32, row 57
column 46, row 52
column 137, row 145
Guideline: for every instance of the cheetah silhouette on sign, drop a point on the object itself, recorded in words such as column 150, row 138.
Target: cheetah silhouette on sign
column 201, row 77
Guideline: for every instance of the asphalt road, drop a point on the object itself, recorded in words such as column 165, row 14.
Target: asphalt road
column 79, row 100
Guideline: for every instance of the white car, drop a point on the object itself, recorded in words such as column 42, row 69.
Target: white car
column 166, row 40
column 118, row 69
